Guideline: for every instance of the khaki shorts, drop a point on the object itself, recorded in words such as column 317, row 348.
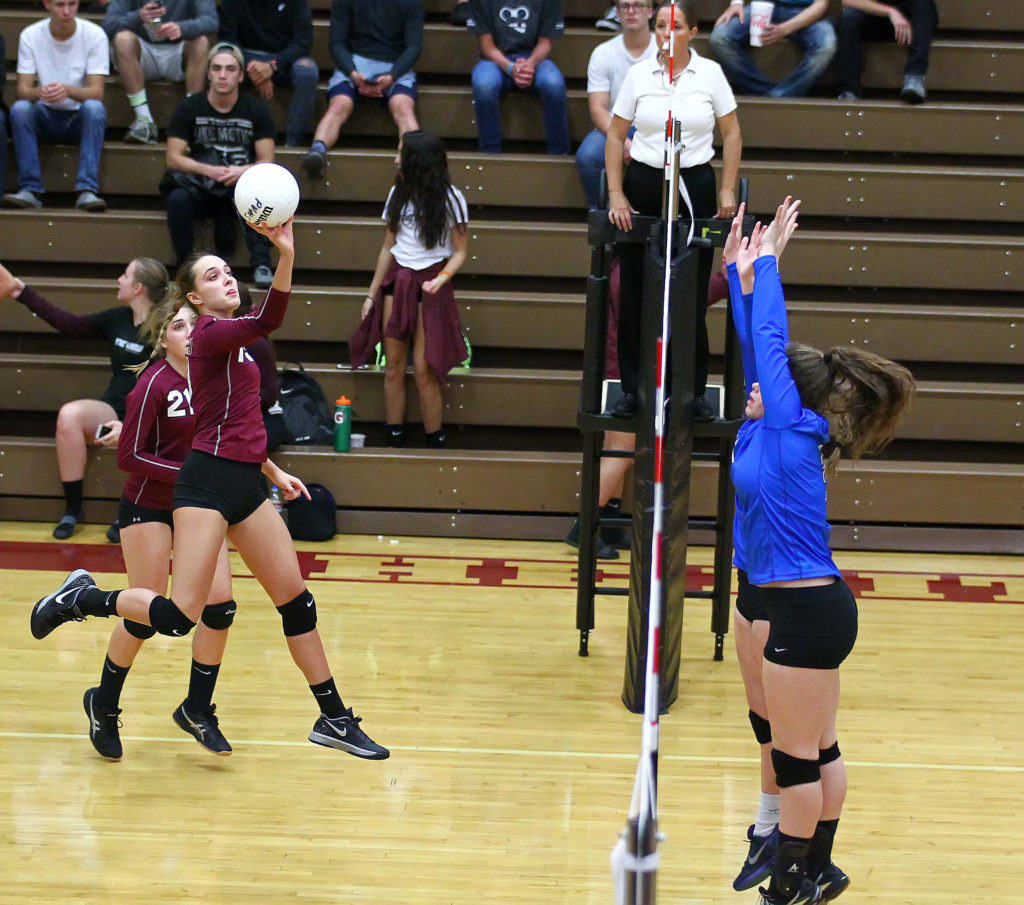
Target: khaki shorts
column 163, row 60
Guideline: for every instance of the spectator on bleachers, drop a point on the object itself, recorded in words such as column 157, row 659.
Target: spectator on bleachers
column 410, row 303
column 158, row 40
column 3, row 124
column 374, row 45
column 802, row 22
column 909, row 23
column 142, row 285
column 62, row 64
column 606, row 71
column 276, row 37
column 515, row 45
column 213, row 138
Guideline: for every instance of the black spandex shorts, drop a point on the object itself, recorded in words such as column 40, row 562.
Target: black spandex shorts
column 749, row 601
column 129, row 514
column 232, row 488
column 812, row 628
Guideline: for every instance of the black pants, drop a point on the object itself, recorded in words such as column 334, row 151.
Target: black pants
column 855, row 27
column 185, row 206
column 643, row 185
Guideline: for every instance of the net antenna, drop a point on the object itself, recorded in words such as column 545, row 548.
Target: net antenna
column 635, row 856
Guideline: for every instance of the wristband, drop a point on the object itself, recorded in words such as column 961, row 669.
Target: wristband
column 511, row 66
column 445, row 272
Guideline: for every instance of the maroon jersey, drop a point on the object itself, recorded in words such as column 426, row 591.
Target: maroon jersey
column 225, row 381
column 156, row 435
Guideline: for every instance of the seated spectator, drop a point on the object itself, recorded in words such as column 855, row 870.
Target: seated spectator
column 276, row 38
column 62, row 64
column 515, row 44
column 909, row 23
column 3, row 124
column 79, row 423
column 157, row 40
column 608, row 66
column 212, row 139
column 802, row 22
column 374, row 44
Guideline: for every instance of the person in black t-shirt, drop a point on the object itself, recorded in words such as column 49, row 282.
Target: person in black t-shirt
column 276, row 37
column 515, row 43
column 374, row 44
column 96, row 422
column 212, row 139
column 3, row 125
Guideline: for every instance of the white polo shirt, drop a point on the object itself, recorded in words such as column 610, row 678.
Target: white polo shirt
column 700, row 96
column 609, row 63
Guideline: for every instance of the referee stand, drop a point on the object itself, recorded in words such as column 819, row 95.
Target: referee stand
column 594, row 418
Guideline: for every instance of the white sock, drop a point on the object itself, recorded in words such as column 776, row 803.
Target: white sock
column 767, row 815
column 140, row 106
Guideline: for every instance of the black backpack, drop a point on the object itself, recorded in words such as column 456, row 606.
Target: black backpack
column 312, row 519
column 307, row 417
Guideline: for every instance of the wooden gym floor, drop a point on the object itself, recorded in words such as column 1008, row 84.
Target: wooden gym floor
column 512, row 758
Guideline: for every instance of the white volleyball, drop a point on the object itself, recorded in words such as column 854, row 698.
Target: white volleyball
column 266, row 194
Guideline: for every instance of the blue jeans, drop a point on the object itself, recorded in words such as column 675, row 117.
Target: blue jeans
column 590, row 165
column 33, row 123
column 490, row 84
column 302, row 77
column 730, row 46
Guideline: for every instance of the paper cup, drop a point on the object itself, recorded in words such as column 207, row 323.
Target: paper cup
column 760, row 17
column 358, row 441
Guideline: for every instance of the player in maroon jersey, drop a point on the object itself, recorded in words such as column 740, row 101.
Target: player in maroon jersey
column 218, row 493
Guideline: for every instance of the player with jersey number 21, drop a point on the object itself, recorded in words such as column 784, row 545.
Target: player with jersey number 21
column 218, row 493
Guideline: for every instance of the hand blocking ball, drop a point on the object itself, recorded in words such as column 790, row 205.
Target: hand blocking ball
column 266, row 194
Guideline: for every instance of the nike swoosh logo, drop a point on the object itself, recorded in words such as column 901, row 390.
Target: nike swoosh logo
column 310, row 603
column 175, row 631
column 321, row 694
column 60, row 597
column 204, row 671
column 781, row 650
column 752, row 859
column 114, row 671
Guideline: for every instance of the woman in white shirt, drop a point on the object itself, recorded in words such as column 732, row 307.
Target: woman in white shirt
column 410, row 300
column 701, row 99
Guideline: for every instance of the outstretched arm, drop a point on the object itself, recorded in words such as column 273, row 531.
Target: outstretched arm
column 740, row 298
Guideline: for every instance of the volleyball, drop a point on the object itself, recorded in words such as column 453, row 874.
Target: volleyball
column 266, row 194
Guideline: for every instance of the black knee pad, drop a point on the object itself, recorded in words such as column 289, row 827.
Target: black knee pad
column 167, row 619
column 138, row 630
column 829, row 754
column 794, row 771
column 762, row 728
column 219, row 615
column 298, row 616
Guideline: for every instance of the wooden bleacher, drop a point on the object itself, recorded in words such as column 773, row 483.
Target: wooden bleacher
column 910, row 246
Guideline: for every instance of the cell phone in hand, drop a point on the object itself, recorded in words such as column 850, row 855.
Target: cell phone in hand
column 371, row 79
column 102, row 431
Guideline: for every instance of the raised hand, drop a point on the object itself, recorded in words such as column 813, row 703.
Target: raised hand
column 10, row 285
column 281, row 236
column 732, row 243
column 781, row 229
column 748, row 252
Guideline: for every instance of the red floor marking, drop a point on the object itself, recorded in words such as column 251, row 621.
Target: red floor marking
column 951, row 588
column 394, row 574
column 54, row 557
column 492, row 573
column 858, row 584
column 310, row 564
column 698, row 578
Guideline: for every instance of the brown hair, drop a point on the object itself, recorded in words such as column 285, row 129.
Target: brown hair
column 863, row 395
column 153, row 277
column 683, row 6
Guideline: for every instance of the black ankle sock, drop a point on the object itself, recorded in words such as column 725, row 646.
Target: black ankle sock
column 435, row 439
column 790, row 865
column 821, row 847
column 201, row 681
column 111, row 683
column 95, row 602
column 396, row 435
column 328, row 699
column 73, row 498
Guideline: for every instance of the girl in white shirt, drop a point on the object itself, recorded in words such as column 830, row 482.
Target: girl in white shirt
column 701, row 99
column 410, row 300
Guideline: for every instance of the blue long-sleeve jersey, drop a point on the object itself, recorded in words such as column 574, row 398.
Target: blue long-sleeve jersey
column 781, row 532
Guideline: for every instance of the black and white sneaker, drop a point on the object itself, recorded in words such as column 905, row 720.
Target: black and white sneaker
column 103, row 726
column 807, row 892
column 833, row 882
column 203, row 727
column 343, row 733
column 61, row 606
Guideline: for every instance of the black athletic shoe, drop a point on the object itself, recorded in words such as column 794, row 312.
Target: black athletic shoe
column 807, row 893
column 103, row 726
column 626, row 406
column 604, row 550
column 833, row 882
column 760, row 857
column 314, row 163
column 203, row 727
column 114, row 532
column 460, row 15
column 66, row 526
column 60, row 606
column 343, row 733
